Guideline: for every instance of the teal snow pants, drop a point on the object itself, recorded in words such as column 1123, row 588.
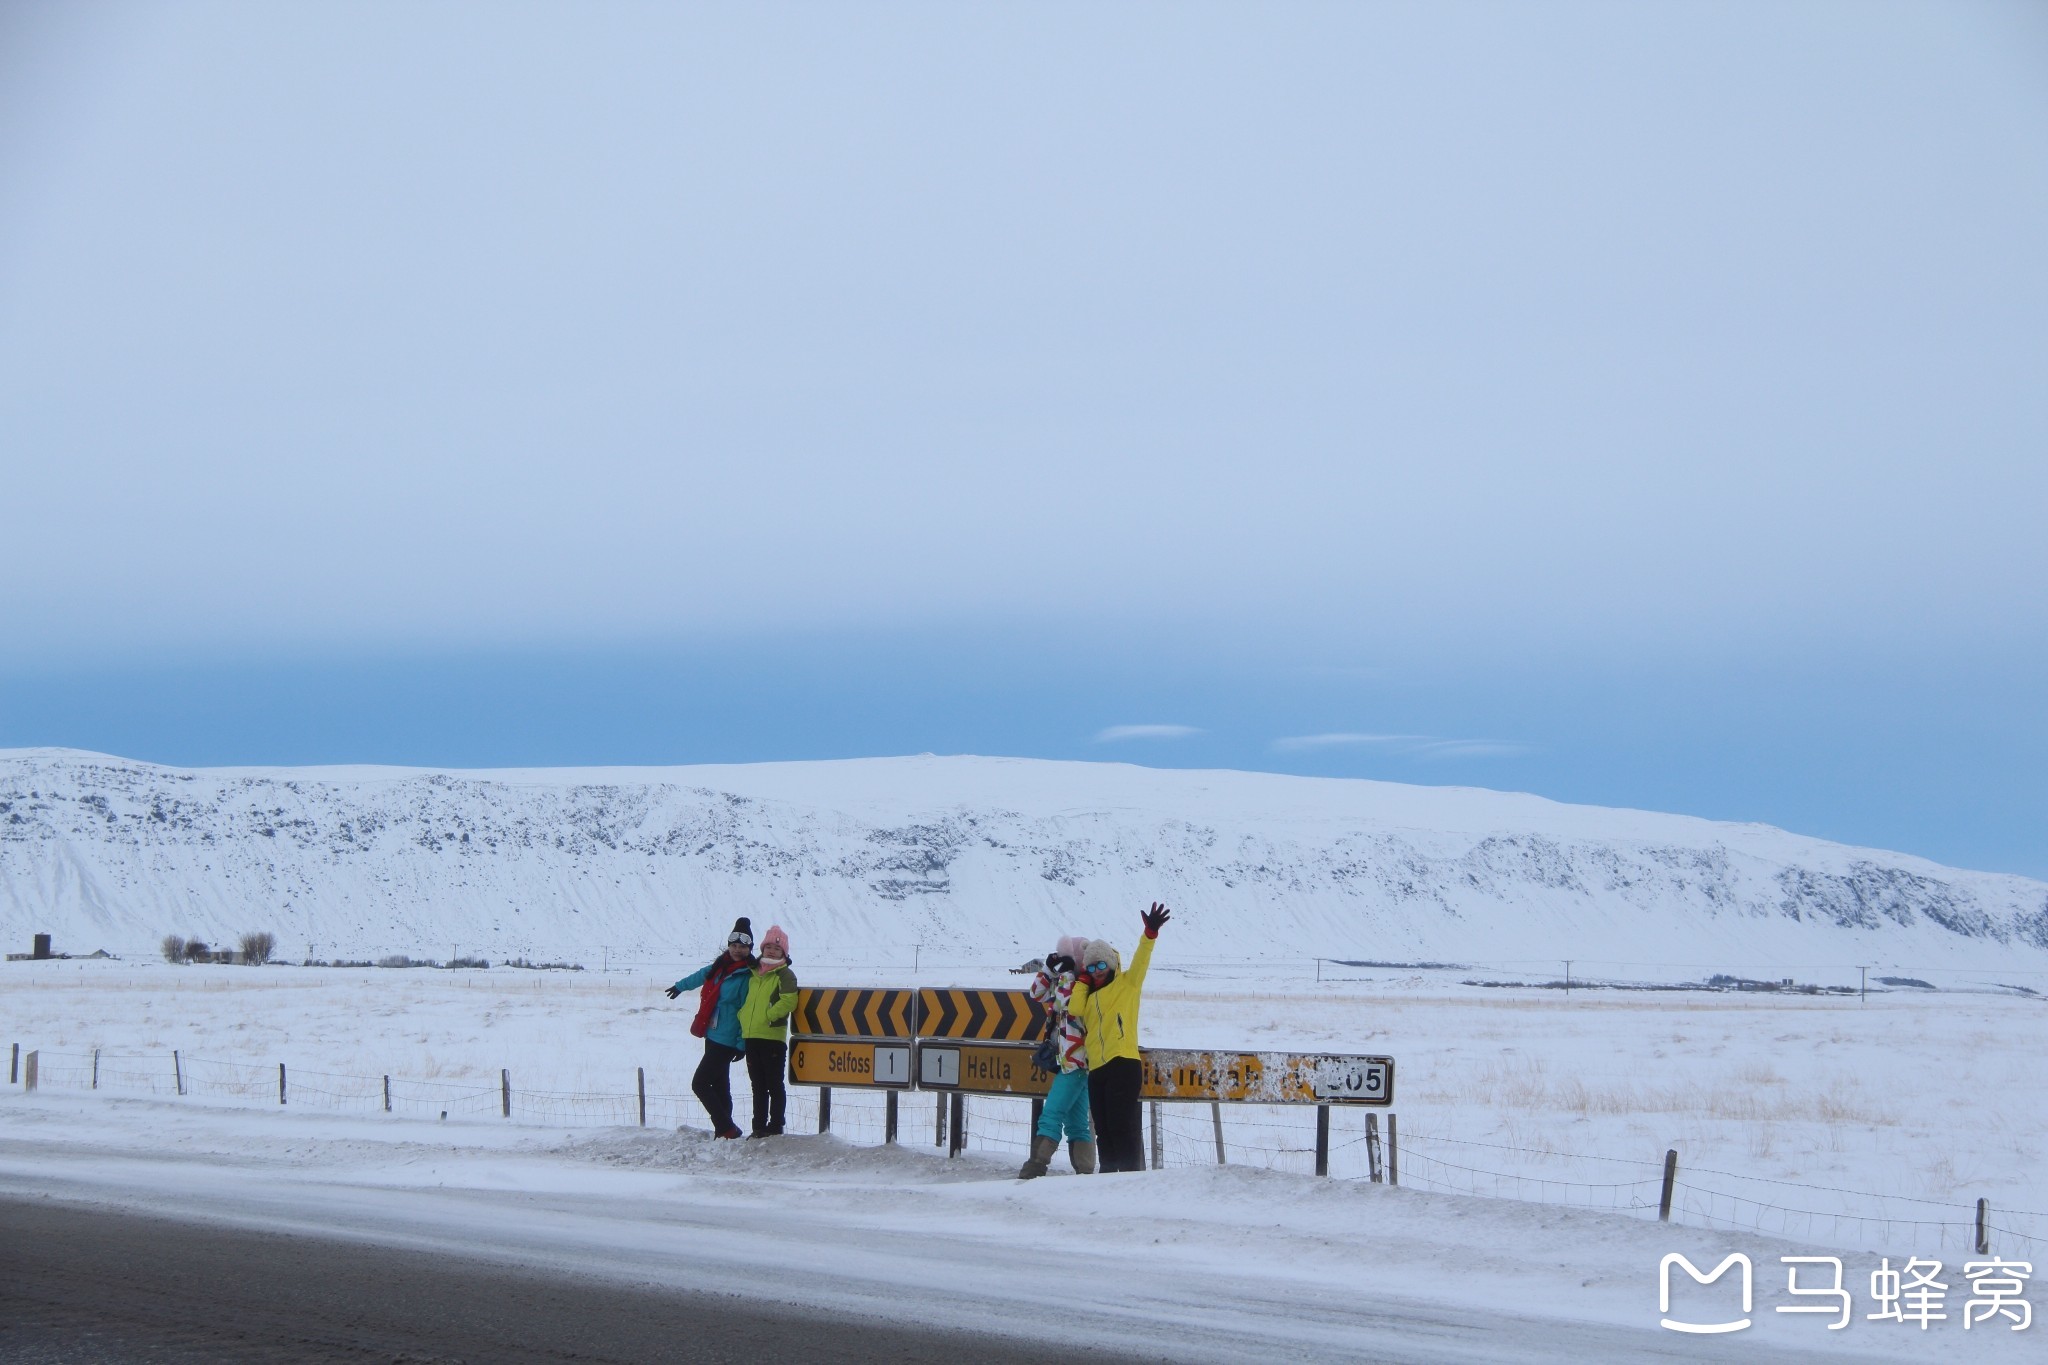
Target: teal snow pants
column 1066, row 1109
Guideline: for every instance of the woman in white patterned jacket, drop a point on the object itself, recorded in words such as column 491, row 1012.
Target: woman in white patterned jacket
column 1066, row 1105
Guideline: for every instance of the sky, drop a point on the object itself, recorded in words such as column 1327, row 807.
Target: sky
column 1640, row 405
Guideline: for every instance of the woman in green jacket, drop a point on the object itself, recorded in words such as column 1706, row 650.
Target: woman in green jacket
column 764, row 1023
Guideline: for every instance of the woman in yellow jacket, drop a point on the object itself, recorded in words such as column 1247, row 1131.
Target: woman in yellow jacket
column 1106, row 1000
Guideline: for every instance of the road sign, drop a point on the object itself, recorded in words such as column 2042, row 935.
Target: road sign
column 849, row 1061
column 980, row 1068
column 997, row 1016
column 1267, row 1077
column 853, row 1012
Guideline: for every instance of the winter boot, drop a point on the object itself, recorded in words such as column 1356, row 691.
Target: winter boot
column 1043, row 1150
column 1082, row 1154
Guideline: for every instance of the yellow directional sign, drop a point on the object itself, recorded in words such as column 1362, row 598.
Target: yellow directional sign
column 849, row 1061
column 1267, row 1077
column 854, row 1012
column 997, row 1016
column 1170, row 1074
column 980, row 1068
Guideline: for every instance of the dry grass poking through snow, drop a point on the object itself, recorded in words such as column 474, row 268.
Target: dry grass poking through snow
column 1751, row 1093
column 1933, row 1097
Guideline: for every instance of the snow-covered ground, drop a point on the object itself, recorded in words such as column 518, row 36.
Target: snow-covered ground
column 1806, row 1125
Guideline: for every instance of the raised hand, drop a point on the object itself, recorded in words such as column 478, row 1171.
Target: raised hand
column 1154, row 918
column 673, row 991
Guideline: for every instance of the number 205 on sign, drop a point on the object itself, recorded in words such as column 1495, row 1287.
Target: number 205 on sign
column 1349, row 1079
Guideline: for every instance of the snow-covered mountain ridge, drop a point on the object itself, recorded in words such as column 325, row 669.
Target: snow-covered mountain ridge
column 975, row 858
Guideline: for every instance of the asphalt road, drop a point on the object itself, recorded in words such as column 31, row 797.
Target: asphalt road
column 85, row 1286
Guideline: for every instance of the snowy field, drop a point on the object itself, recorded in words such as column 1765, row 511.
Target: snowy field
column 1804, row 1126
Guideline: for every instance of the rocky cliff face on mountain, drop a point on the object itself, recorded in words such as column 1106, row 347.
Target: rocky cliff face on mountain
column 967, row 859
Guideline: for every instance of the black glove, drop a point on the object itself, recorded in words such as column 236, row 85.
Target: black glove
column 673, row 991
column 1060, row 962
column 1154, row 918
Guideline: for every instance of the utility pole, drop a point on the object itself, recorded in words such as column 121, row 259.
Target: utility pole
column 1863, row 985
column 1567, row 976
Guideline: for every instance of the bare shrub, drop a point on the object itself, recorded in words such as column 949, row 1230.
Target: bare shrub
column 174, row 947
column 197, row 951
column 257, row 948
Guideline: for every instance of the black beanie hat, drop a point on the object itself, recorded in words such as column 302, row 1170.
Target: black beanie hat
column 743, row 926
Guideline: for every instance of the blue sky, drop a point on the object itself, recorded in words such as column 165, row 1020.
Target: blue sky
column 1638, row 405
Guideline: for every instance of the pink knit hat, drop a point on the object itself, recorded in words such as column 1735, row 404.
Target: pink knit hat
column 1072, row 946
column 775, row 943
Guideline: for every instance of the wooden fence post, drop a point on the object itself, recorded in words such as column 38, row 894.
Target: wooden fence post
column 1322, row 1139
column 28, row 1074
column 1216, row 1119
column 1393, row 1152
column 387, row 1094
column 889, row 1118
column 1983, row 1228
column 1372, row 1148
column 14, row 1066
column 95, row 1068
column 178, row 1070
column 1158, row 1142
column 280, row 1082
column 1670, row 1180
column 505, row 1090
column 824, row 1109
column 959, row 1139
column 641, row 1073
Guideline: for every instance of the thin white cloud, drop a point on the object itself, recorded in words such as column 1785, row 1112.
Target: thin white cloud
column 1471, row 748
column 1118, row 732
column 1293, row 742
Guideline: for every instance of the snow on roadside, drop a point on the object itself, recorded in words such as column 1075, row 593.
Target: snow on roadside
column 1908, row 1096
column 1204, row 1263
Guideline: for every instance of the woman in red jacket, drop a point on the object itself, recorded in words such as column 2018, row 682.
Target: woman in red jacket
column 724, row 989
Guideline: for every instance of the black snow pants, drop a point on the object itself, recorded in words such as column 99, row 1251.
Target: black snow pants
column 1113, row 1104
column 765, row 1060
column 713, row 1084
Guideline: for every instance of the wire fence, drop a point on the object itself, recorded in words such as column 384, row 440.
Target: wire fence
column 1178, row 1134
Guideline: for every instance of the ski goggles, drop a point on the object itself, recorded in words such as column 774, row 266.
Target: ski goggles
column 1098, row 968
column 743, row 940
